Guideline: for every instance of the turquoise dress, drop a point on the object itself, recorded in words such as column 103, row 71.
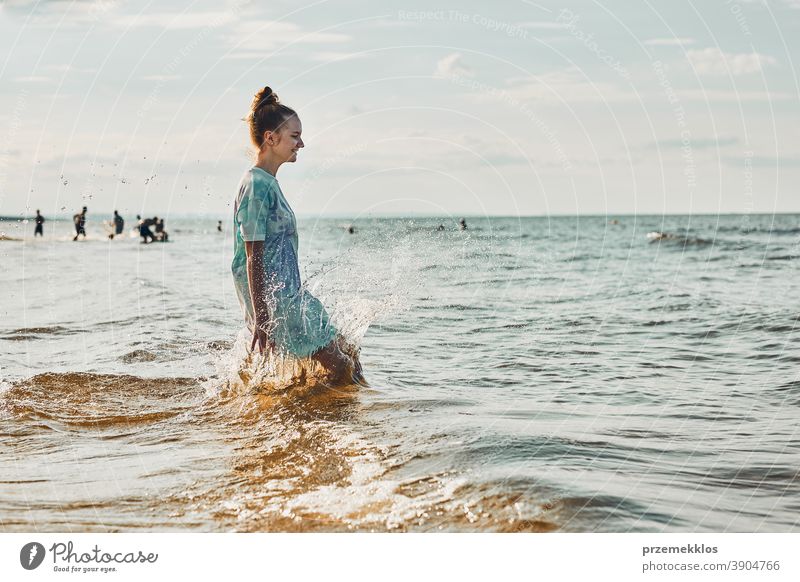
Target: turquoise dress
column 299, row 324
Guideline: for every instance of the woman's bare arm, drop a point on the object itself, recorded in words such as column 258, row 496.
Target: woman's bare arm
column 256, row 278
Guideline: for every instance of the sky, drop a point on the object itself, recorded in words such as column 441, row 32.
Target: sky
column 449, row 108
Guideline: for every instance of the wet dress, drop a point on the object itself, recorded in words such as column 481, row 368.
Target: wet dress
column 299, row 324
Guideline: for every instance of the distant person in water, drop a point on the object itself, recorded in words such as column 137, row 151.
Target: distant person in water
column 39, row 224
column 161, row 234
column 119, row 223
column 80, row 224
column 219, row 226
column 280, row 312
column 351, row 229
column 144, row 229
column 440, row 227
column 462, row 224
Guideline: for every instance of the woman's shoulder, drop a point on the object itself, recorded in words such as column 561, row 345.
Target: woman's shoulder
column 262, row 176
column 259, row 182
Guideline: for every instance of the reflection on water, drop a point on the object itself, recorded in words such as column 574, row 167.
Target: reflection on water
column 244, row 459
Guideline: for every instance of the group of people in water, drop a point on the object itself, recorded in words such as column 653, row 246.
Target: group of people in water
column 157, row 223
column 144, row 225
column 116, row 225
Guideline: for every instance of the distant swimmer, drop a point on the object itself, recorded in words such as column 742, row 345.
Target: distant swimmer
column 119, row 223
column 80, row 224
column 161, row 234
column 440, row 227
column 219, row 226
column 462, row 224
column 144, row 229
column 351, row 229
column 39, row 224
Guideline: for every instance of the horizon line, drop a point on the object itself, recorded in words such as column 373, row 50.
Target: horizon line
column 212, row 216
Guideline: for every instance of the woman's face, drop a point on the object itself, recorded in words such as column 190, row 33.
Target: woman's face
column 287, row 141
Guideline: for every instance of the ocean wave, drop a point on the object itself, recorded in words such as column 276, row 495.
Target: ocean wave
column 782, row 257
column 29, row 333
column 678, row 239
column 76, row 400
column 139, row 356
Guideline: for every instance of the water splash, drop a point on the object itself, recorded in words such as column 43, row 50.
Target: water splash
column 355, row 299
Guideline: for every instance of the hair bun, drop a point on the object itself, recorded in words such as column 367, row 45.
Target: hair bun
column 264, row 97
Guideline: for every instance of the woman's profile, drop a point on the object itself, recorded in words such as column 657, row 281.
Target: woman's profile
column 281, row 314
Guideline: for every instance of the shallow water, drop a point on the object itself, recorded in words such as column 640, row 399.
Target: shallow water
column 531, row 374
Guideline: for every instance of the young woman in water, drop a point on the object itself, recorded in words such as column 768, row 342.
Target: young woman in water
column 282, row 315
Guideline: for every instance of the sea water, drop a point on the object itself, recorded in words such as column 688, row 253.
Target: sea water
column 599, row 373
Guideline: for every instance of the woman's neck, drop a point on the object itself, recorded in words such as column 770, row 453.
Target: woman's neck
column 268, row 163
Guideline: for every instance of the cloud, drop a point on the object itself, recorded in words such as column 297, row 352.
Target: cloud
column 674, row 41
column 713, row 61
column 698, row 143
column 453, row 66
column 792, row 4
column 566, row 85
column 32, row 79
column 260, row 36
column 160, row 78
column 59, row 14
column 765, row 161
column 331, row 56
column 737, row 96
column 256, row 39
column 174, row 20
column 68, row 68
column 546, row 25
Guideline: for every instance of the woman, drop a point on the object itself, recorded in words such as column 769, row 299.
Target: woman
column 281, row 314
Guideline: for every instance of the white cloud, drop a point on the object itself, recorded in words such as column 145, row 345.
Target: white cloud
column 568, row 86
column 68, row 68
column 546, row 25
column 175, row 20
column 453, row 66
column 258, row 36
column 713, row 61
column 60, row 14
column 674, row 41
column 330, row 56
column 159, row 78
column 698, row 143
column 719, row 95
column 246, row 55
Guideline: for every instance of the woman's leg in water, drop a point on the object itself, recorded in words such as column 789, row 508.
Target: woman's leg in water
column 341, row 359
column 350, row 350
column 337, row 363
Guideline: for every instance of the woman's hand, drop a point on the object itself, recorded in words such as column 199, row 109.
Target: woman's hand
column 261, row 337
